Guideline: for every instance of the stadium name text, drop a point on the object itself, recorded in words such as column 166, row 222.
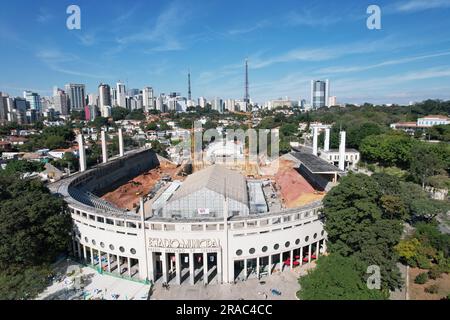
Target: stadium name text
column 183, row 244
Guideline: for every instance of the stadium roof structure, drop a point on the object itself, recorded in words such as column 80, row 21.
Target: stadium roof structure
column 315, row 164
column 229, row 183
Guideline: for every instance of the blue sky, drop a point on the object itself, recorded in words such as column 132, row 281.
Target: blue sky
column 288, row 43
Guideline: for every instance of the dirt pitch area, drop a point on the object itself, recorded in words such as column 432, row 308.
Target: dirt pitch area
column 295, row 190
column 127, row 195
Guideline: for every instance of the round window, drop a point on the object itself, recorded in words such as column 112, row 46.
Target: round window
column 111, row 247
column 264, row 249
column 133, row 251
column 297, row 241
column 315, row 235
column 122, row 249
column 322, row 233
column 307, row 238
column 239, row 252
column 102, row 244
column 86, row 239
column 93, row 242
column 287, row 244
column 276, row 246
column 251, row 251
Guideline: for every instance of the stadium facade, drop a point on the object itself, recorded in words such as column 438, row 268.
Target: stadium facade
column 217, row 226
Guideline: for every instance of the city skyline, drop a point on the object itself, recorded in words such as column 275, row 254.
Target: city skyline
column 287, row 45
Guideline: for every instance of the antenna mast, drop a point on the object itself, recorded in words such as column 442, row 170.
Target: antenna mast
column 189, row 85
column 246, row 96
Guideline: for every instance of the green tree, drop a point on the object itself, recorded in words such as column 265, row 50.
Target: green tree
column 163, row 126
column 185, row 123
column 119, row 113
column 358, row 226
column 17, row 167
column 337, row 278
column 392, row 149
column 159, row 148
column 425, row 163
column 407, row 249
column 35, row 228
column 152, row 126
column 99, row 122
column 51, row 138
column 68, row 161
column 394, row 207
column 289, row 129
column 136, row 115
column 357, row 133
column 428, row 209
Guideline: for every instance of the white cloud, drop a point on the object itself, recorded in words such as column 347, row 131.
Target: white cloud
column 308, row 18
column 43, row 16
column 87, row 39
column 57, row 60
column 348, row 69
column 420, row 5
column 324, row 53
column 164, row 34
column 244, row 30
column 127, row 14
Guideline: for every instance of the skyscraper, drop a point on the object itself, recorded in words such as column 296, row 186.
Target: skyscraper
column 160, row 104
column 3, row 108
column 320, row 91
column 217, row 105
column 113, row 97
column 104, row 96
column 121, row 95
column 93, row 99
column 332, row 101
column 148, row 100
column 202, row 102
column 77, row 96
column 60, row 101
column 133, row 92
column 33, row 100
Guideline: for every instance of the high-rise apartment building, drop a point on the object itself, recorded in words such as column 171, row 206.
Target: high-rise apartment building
column 230, row 105
column 60, row 101
column 104, row 96
column 77, row 96
column 202, row 102
column 217, row 105
column 332, row 101
column 93, row 99
column 320, row 91
column 3, row 108
column 33, row 100
column 133, row 92
column 160, row 104
column 121, row 95
column 113, row 97
column 148, row 100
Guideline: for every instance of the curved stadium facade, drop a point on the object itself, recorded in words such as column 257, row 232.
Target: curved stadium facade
column 216, row 226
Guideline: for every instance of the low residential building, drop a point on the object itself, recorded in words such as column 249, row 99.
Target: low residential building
column 421, row 123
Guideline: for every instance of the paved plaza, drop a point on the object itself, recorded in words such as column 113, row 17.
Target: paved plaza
column 95, row 286
column 285, row 282
column 98, row 286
